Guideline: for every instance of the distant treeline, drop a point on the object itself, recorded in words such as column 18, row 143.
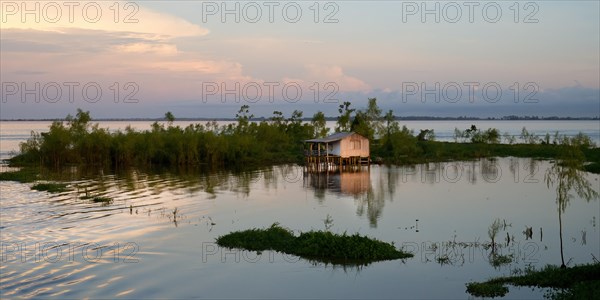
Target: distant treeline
column 400, row 118
column 278, row 139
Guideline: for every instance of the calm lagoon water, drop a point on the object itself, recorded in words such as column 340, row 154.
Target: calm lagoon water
column 63, row 246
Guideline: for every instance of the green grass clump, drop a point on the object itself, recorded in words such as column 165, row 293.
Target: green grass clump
column 486, row 289
column 51, row 187
column 498, row 260
column 22, row 175
column 273, row 238
column 324, row 245
column 571, row 283
column 321, row 246
column 443, row 260
column 582, row 290
column 592, row 168
column 104, row 200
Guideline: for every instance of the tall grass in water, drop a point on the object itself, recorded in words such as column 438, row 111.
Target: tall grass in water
column 76, row 141
column 578, row 282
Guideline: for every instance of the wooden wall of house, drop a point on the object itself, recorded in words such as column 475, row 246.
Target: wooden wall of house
column 354, row 145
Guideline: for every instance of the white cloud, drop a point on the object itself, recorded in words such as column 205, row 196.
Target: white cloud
column 160, row 49
column 335, row 74
column 107, row 51
column 114, row 16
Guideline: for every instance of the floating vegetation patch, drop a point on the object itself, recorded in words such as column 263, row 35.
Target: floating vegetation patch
column 592, row 167
column 498, row 260
column 51, row 187
column 485, row 289
column 579, row 282
column 444, row 259
column 322, row 246
column 103, row 200
column 24, row 175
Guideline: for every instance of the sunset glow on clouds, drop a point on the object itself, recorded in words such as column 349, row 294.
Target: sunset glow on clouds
column 111, row 16
column 168, row 51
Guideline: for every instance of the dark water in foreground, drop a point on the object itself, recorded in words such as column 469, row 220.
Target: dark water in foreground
column 63, row 246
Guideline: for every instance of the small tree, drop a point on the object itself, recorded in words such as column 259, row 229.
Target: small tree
column 567, row 177
column 508, row 138
column 170, row 118
column 528, row 137
column 277, row 119
column 426, row 135
column 491, row 136
column 458, row 134
column 344, row 121
column 389, row 122
column 243, row 117
column 319, row 124
column 360, row 125
column 373, row 117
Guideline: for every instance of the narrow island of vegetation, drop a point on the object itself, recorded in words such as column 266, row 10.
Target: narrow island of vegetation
column 578, row 282
column 322, row 246
column 251, row 143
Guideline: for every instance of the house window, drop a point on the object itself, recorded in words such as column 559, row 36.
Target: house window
column 356, row 145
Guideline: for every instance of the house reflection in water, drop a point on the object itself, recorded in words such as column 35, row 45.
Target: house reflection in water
column 353, row 183
column 349, row 184
column 340, row 164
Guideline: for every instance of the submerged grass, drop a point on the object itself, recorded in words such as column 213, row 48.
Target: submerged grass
column 97, row 199
column 498, row 260
column 51, row 187
column 579, row 282
column 444, row 151
column 30, row 174
column 322, row 246
column 487, row 289
column 435, row 151
column 592, row 167
column 23, row 175
column 103, row 200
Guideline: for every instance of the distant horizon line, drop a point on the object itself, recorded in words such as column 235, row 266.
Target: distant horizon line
column 405, row 118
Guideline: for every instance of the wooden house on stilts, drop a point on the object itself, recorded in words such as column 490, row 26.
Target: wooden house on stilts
column 343, row 150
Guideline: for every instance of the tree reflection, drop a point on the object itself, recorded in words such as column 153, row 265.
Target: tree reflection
column 318, row 182
column 567, row 177
column 357, row 184
column 490, row 171
column 372, row 203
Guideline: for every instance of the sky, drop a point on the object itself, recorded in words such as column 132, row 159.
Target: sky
column 137, row 59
